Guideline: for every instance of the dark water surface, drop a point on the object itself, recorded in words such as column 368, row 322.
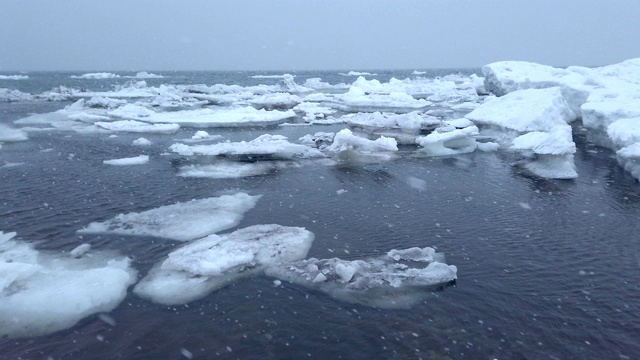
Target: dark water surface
column 547, row 269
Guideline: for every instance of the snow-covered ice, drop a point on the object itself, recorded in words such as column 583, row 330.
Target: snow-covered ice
column 221, row 117
column 267, row 146
column 136, row 160
column 394, row 280
column 194, row 270
column 182, row 221
column 357, row 73
column 42, row 291
column 525, row 110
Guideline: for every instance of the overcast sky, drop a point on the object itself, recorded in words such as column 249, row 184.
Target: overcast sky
column 312, row 34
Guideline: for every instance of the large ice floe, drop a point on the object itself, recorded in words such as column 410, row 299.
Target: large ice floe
column 195, row 270
column 42, row 291
column 357, row 100
column 182, row 221
column 404, row 128
column 222, row 117
column 398, row 279
column 14, row 77
column 599, row 96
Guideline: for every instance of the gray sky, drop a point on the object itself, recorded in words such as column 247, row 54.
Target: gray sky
column 89, row 35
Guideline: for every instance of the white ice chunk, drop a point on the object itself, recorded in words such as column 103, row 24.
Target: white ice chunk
column 181, row 221
column 136, row 160
column 553, row 167
column 227, row 170
column 274, row 146
column 557, row 142
column 101, row 75
column 196, row 269
column 80, row 250
column 392, row 281
column 201, row 134
column 357, row 73
column 605, row 111
column 345, row 140
column 8, row 134
column 525, row 110
column 624, row 132
column 141, row 142
column 145, row 75
column 449, row 140
column 14, row 77
column 357, row 100
column 41, row 293
column 14, row 95
column 281, row 101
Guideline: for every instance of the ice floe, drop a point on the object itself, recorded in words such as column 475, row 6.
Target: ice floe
column 395, row 280
column 198, row 268
column 8, row 134
column 14, row 77
column 136, row 160
column 356, row 100
column 263, row 147
column 182, row 221
column 42, row 291
column 223, row 117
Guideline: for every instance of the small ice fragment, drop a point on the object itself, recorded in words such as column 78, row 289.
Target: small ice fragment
column 277, row 282
column 136, row 160
column 100, row 337
column 341, row 191
column 525, row 206
column 200, row 135
column 107, row 319
column 80, row 250
column 416, row 183
column 141, row 142
column 320, row 278
column 186, row 353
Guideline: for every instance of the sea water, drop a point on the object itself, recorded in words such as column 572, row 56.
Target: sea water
column 546, row 268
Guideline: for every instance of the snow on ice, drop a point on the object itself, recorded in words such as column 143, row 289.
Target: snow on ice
column 182, row 221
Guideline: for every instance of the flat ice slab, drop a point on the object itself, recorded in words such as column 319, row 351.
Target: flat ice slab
column 275, row 146
column 196, row 269
column 394, row 280
column 223, row 117
column 181, row 221
column 136, row 160
column 42, row 292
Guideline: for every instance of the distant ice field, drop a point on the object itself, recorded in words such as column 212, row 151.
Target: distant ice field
column 538, row 261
